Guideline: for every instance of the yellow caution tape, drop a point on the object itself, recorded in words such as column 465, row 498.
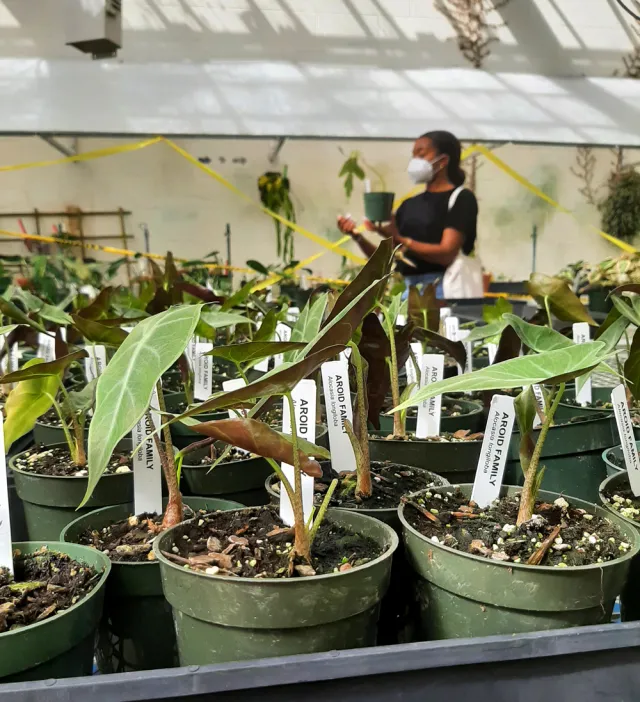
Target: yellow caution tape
column 87, row 156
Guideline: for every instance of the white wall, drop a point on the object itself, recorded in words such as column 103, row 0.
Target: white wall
column 186, row 210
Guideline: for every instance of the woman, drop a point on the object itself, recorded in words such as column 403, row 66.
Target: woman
column 434, row 226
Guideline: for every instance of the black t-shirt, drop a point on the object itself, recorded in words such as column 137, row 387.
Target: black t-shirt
column 426, row 216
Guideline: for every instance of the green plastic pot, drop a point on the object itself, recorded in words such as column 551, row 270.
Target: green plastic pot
column 136, row 631
column 472, row 419
column 242, row 481
column 48, row 435
column 181, row 435
column 220, row 619
column 397, row 613
column 62, row 646
column 454, row 461
column 572, row 455
column 613, row 459
column 50, row 503
column 567, row 411
column 599, row 300
column 630, row 596
column 461, row 595
column 378, row 207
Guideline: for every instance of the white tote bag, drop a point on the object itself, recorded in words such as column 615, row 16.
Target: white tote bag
column 463, row 278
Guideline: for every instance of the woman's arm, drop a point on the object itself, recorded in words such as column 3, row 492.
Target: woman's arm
column 365, row 245
column 443, row 253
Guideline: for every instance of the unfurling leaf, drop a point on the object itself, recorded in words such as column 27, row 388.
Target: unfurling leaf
column 258, row 438
column 563, row 302
column 526, row 412
column 28, row 401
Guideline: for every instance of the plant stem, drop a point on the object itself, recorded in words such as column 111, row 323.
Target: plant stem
column 529, row 491
column 301, row 545
column 363, row 462
column 323, row 509
column 282, row 477
column 398, row 426
column 546, row 305
column 65, row 429
column 173, row 512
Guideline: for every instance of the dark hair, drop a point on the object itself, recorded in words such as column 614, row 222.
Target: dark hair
column 448, row 145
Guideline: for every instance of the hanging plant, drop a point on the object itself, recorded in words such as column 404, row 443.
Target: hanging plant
column 275, row 195
column 621, row 208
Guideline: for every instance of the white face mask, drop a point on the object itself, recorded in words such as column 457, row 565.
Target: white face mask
column 420, row 170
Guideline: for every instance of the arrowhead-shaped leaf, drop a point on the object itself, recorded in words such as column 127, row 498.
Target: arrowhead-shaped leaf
column 42, row 369
column 563, row 302
column 551, row 367
column 99, row 333
column 124, row 389
column 537, row 338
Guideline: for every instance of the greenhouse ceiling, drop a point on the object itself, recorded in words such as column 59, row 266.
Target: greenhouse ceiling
column 328, row 69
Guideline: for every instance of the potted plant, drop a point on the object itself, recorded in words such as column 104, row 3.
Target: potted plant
column 531, row 563
column 378, row 205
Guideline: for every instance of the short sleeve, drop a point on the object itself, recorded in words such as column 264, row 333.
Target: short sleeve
column 463, row 217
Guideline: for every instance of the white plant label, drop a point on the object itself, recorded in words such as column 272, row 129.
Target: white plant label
column 627, row 439
column 345, row 355
column 96, row 362
column 410, row 366
column 492, row 350
column 192, row 353
column 283, row 333
column 10, row 360
column 401, row 320
column 147, row 468
column 539, row 395
column 430, row 411
column 337, row 399
column 581, row 335
column 46, row 347
column 228, row 386
column 203, row 380
column 304, row 406
column 451, row 327
column 292, row 314
column 444, row 313
column 495, row 449
column 6, row 549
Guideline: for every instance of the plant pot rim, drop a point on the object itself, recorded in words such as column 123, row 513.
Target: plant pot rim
column 605, row 505
column 523, row 566
column 393, row 545
column 59, row 547
column 64, row 477
column 377, row 510
column 64, row 532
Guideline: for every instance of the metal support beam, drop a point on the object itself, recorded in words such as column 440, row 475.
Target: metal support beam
column 276, row 149
column 59, row 146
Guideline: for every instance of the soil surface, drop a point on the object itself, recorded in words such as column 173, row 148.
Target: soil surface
column 450, row 408
column 255, row 543
column 57, row 462
column 130, row 540
column 235, row 454
column 50, row 419
column 44, row 584
column 444, row 437
column 623, row 501
column 388, row 480
column 558, row 535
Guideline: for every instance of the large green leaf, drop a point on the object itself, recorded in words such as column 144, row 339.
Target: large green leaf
column 308, row 324
column 536, row 337
column 78, row 401
column 632, row 366
column 215, row 318
column 259, row 438
column 486, row 331
column 41, row 308
column 17, row 315
column 276, row 382
column 238, row 297
column 627, row 309
column 28, row 401
column 43, row 369
column 124, row 388
column 563, row 302
column 99, row 333
column 613, row 333
column 253, row 350
column 267, row 328
column 556, row 366
column 99, row 306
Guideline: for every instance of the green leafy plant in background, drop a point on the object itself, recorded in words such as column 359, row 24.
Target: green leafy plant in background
column 275, row 195
column 354, row 168
column 620, row 210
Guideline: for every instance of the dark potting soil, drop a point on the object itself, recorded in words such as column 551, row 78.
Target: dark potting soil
column 50, row 419
column 57, row 462
column 558, row 534
column 444, row 437
column 450, row 408
column 623, row 501
column 255, row 543
column 130, row 540
column 172, row 382
column 45, row 583
column 388, row 480
column 234, row 454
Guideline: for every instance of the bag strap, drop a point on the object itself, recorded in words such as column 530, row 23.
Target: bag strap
column 454, row 197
